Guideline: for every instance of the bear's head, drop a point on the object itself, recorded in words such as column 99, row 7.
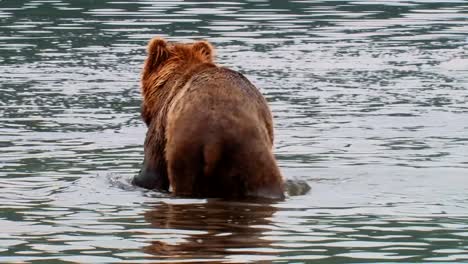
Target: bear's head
column 165, row 59
column 169, row 61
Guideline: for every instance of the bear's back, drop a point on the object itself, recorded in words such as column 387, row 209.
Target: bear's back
column 225, row 78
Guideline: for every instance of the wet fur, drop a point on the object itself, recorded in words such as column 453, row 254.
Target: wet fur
column 210, row 131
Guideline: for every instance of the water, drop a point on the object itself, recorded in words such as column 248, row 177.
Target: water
column 370, row 101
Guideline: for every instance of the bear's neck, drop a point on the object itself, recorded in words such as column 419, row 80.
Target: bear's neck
column 178, row 80
column 169, row 88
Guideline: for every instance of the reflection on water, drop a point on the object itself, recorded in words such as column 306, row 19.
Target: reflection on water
column 211, row 231
column 371, row 110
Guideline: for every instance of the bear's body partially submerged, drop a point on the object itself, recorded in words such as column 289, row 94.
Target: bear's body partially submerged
column 210, row 130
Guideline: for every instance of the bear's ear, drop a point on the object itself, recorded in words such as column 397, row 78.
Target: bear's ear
column 205, row 49
column 158, row 52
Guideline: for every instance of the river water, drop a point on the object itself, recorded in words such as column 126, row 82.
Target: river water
column 370, row 100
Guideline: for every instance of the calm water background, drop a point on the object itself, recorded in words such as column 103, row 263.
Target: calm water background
column 371, row 107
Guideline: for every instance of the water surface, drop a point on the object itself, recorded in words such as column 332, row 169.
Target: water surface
column 370, row 100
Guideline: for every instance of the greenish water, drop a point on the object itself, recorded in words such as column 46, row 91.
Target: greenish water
column 370, row 101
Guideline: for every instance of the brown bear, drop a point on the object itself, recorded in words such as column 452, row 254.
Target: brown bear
column 210, row 131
